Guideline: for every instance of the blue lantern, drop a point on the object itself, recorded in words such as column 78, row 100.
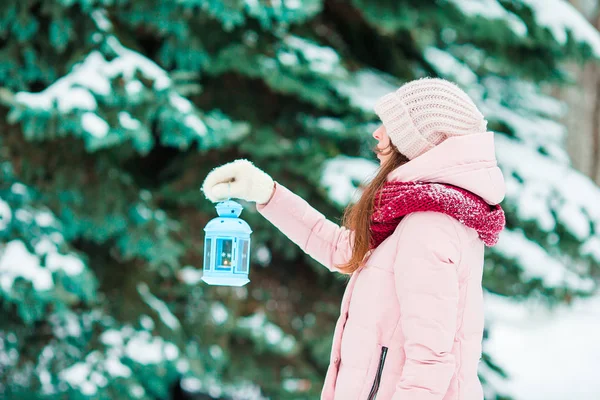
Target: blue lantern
column 227, row 247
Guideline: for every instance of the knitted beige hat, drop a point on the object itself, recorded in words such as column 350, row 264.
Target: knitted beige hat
column 423, row 113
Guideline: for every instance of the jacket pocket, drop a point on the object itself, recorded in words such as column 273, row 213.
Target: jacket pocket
column 375, row 387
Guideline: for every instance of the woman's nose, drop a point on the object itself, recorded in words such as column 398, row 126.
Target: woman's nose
column 378, row 133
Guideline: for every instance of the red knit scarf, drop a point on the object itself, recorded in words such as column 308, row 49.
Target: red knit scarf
column 402, row 198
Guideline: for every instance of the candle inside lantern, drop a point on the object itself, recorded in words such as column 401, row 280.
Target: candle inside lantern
column 226, row 251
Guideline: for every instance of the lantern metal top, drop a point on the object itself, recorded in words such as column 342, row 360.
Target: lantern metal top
column 228, row 223
column 229, row 209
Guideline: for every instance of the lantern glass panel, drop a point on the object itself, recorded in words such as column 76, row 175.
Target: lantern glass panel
column 243, row 256
column 207, row 253
column 224, row 254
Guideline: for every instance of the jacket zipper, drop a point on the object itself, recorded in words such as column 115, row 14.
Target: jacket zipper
column 375, row 386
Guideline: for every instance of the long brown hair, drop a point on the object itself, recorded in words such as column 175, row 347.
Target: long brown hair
column 357, row 217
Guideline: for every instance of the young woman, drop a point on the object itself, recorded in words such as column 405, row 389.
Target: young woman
column 411, row 321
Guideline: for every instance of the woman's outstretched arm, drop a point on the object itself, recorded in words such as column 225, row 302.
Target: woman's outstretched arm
column 318, row 237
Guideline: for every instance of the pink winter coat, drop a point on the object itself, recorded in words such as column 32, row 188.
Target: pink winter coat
column 411, row 321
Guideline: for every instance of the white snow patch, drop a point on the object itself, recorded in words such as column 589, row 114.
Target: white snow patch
column 128, row 122
column 273, row 334
column 449, row 66
column 592, row 248
column 144, row 211
column 44, row 218
column 68, row 263
column 159, row 306
column 18, row 188
column 191, row 384
column 579, row 223
column 180, row 103
column 78, row 376
column 98, row 379
column 112, row 337
column 196, row 124
column 287, row 58
column 530, row 198
column 137, row 391
column 92, row 77
column 261, row 328
column 215, row 351
column 219, row 313
column 45, row 359
column 263, row 255
column 94, row 125
column 5, row 215
column 116, row 368
column 78, row 99
column 24, row 215
column 102, row 21
column 341, row 174
column 73, row 327
column 190, row 275
column 57, row 237
column 66, row 325
column 129, row 62
column 147, row 322
column 330, row 124
column 134, row 87
column 293, row 4
column 145, row 349
column 542, row 349
column 528, row 95
column 323, row 60
column 44, row 245
column 16, row 261
column 529, row 128
column 182, row 365
column 561, row 17
column 548, row 187
column 536, row 263
column 171, row 351
column 365, row 87
column 46, row 381
column 491, row 9
column 83, row 75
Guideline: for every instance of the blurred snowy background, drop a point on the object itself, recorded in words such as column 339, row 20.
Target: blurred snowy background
column 114, row 111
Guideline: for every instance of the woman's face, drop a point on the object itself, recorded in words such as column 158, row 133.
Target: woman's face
column 383, row 148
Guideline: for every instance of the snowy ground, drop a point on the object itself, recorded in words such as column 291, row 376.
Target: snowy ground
column 549, row 355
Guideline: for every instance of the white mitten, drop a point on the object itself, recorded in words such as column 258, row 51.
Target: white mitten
column 239, row 179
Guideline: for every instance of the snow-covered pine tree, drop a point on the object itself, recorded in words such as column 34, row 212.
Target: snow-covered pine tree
column 113, row 113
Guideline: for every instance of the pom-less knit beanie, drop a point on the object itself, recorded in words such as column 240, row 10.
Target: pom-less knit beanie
column 423, row 113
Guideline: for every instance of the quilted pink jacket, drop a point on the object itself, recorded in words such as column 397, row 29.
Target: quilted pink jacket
column 411, row 321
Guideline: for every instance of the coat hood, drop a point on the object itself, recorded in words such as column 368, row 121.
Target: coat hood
column 468, row 162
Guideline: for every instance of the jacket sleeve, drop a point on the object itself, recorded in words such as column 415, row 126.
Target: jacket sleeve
column 318, row 237
column 426, row 280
